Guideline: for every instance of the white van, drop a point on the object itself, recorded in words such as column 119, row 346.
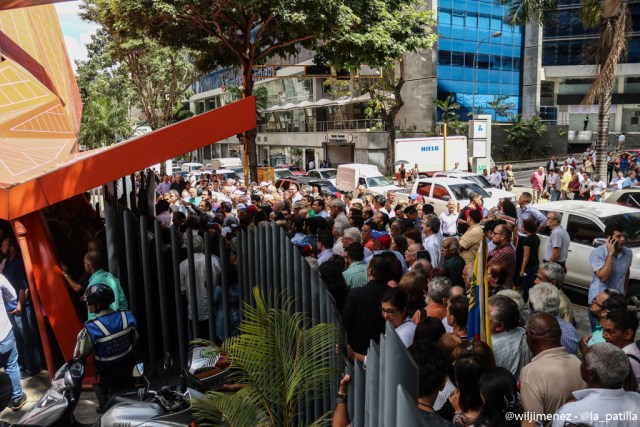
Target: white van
column 190, row 167
column 351, row 175
column 226, row 163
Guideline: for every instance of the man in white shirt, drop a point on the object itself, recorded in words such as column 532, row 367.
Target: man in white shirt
column 295, row 194
column 449, row 220
column 456, row 168
column 431, row 238
column 616, row 183
column 598, row 188
column 604, row 368
column 553, row 181
column 621, row 139
column 495, row 179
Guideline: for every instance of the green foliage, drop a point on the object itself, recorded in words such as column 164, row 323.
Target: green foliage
column 278, row 359
column 501, row 107
column 521, row 12
column 159, row 76
column 525, row 137
column 104, row 122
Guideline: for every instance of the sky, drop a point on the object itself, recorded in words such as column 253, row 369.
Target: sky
column 77, row 33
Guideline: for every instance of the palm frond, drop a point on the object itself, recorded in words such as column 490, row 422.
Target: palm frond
column 611, row 50
column 232, row 410
column 278, row 359
column 590, row 13
column 521, row 12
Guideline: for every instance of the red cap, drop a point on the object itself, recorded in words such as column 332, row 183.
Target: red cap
column 252, row 209
column 385, row 241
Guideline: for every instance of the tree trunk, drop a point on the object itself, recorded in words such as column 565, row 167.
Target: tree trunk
column 250, row 136
column 604, row 105
column 390, row 122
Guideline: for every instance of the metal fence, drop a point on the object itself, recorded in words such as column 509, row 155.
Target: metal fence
column 147, row 259
column 385, row 393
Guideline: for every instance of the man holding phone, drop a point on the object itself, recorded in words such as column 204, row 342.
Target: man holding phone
column 610, row 263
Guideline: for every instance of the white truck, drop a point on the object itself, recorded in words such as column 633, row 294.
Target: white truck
column 351, row 175
column 429, row 153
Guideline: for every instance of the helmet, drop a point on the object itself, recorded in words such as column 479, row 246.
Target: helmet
column 99, row 294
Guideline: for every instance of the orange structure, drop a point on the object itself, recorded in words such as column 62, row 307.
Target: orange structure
column 40, row 112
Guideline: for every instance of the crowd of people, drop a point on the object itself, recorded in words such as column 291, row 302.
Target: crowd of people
column 387, row 262
column 575, row 179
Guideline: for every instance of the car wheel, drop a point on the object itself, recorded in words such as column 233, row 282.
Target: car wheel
column 633, row 302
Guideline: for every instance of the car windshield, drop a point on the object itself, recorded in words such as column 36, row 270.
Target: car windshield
column 462, row 191
column 377, row 181
column 283, row 174
column 631, row 224
column 294, row 168
column 478, row 179
column 329, row 174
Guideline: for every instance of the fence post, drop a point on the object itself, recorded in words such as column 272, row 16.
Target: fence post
column 162, row 286
column 193, row 296
column 177, row 293
column 210, row 286
column 130, row 246
column 148, row 294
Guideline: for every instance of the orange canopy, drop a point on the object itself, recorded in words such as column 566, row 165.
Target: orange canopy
column 14, row 4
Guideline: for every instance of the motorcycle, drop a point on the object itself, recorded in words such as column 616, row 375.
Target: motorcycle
column 167, row 406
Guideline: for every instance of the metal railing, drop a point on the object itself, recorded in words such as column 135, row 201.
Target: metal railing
column 324, row 126
column 148, row 259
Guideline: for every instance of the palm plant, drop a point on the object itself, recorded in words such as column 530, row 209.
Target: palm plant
column 104, row 122
column 613, row 20
column 279, row 361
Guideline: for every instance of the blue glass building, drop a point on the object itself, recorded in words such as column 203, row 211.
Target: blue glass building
column 461, row 25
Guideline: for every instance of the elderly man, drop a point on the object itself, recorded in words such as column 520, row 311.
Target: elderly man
column 619, row 329
column 439, row 291
column 355, row 274
column 503, row 252
column 553, row 273
column 507, row 338
column 452, row 261
column 610, row 263
column 604, row 368
column 544, row 298
column 548, row 381
column 470, row 241
column 431, row 238
column 537, row 181
column 558, row 243
column 495, row 179
column 411, row 254
column 526, row 211
column 338, row 230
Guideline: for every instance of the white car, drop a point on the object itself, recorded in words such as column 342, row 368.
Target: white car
column 481, row 181
column 324, row 173
column 627, row 197
column 439, row 191
column 585, row 222
column 282, row 173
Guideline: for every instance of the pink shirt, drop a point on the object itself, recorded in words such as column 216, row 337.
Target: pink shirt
column 537, row 181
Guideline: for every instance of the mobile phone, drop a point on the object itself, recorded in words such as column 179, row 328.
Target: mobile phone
column 423, row 255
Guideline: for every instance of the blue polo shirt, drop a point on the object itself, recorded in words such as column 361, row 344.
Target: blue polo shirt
column 621, row 264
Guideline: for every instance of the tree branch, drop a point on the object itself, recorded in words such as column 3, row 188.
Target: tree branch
column 265, row 53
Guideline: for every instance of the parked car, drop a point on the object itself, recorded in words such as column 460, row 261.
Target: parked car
column 439, row 191
column 322, row 184
column 293, row 168
column 481, row 181
column 585, row 223
column 628, row 197
column 282, row 173
column 324, row 173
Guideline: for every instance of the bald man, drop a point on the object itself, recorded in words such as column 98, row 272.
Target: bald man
column 548, row 381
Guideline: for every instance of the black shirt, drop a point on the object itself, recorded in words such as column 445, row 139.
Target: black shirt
column 361, row 315
column 533, row 241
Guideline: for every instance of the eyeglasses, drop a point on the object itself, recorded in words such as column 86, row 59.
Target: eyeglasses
column 389, row 311
column 595, row 302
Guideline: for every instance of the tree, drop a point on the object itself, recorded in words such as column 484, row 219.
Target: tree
column 525, row 136
column 277, row 359
column 450, row 116
column 501, row 107
column 613, row 20
column 104, row 122
column 161, row 76
column 247, row 33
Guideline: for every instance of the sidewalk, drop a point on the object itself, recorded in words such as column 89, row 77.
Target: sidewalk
column 36, row 386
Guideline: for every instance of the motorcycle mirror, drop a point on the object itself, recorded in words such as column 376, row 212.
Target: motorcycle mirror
column 138, row 370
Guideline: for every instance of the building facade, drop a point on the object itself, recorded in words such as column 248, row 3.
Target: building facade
column 567, row 72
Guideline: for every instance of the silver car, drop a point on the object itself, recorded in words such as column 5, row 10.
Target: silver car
column 585, row 222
